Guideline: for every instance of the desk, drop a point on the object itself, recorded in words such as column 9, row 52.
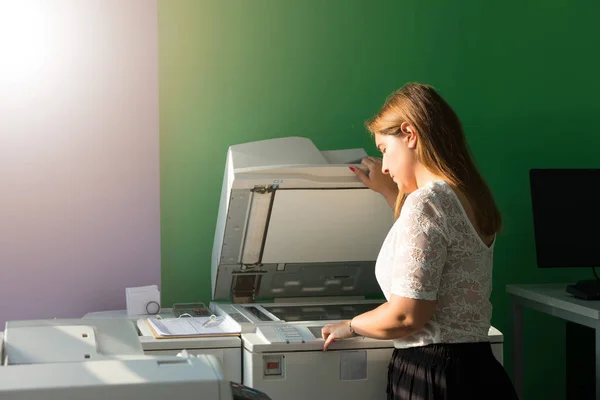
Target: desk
column 554, row 300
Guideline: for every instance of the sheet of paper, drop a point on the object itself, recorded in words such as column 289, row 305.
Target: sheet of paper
column 138, row 298
column 192, row 327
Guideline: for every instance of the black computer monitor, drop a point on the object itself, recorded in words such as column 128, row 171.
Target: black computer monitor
column 566, row 219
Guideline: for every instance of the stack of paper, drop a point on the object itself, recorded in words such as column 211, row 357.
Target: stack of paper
column 142, row 300
column 191, row 327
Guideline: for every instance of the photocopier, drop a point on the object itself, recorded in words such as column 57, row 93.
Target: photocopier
column 227, row 349
column 98, row 359
column 295, row 246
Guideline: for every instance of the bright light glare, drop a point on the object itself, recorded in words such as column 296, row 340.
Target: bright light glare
column 23, row 38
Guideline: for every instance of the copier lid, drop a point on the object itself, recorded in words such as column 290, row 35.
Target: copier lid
column 310, row 229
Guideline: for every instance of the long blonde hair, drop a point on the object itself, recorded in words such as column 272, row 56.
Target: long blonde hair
column 441, row 148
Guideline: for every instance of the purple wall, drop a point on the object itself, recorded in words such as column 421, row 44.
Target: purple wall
column 79, row 162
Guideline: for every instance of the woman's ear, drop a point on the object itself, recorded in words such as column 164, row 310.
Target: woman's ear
column 410, row 135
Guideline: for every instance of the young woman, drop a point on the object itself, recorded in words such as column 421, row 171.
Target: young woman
column 435, row 265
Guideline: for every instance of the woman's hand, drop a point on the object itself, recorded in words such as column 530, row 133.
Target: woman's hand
column 376, row 180
column 339, row 330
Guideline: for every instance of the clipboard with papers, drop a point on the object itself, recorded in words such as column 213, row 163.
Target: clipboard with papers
column 171, row 328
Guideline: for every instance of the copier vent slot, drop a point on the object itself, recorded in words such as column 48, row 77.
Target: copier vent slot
column 320, row 279
column 292, row 280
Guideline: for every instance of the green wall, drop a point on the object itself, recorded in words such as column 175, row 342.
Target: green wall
column 522, row 76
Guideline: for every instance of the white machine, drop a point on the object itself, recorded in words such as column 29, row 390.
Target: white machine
column 227, row 349
column 100, row 359
column 295, row 247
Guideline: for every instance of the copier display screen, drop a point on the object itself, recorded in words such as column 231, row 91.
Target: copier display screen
column 319, row 312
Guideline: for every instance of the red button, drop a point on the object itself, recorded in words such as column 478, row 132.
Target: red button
column 273, row 365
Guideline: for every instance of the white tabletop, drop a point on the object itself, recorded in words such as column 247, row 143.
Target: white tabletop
column 555, row 295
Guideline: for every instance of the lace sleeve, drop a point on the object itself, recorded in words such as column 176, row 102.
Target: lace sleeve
column 419, row 251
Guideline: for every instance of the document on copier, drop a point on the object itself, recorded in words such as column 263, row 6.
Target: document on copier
column 169, row 328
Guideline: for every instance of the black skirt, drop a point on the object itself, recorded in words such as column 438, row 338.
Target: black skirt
column 462, row 371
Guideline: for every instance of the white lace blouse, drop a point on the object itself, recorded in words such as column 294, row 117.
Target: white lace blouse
column 433, row 252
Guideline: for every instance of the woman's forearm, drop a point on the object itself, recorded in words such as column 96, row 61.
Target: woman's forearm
column 380, row 323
